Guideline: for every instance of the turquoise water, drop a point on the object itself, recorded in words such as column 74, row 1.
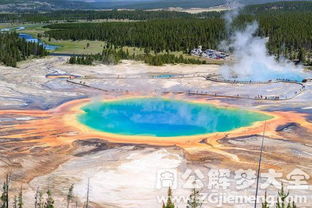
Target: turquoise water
column 163, row 117
column 164, row 76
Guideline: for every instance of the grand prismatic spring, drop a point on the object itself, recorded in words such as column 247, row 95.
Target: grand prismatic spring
column 164, row 117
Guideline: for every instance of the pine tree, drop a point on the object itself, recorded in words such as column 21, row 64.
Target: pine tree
column 5, row 193
column 301, row 55
column 72, row 60
column 265, row 204
column 169, row 203
column 70, row 195
column 15, row 202
column 282, row 199
column 293, row 205
column 194, row 200
column 88, row 195
column 38, row 199
column 20, row 198
column 49, row 201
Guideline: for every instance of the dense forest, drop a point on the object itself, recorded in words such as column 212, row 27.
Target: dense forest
column 88, row 15
column 157, row 35
column 112, row 55
column 290, row 33
column 75, row 15
column 14, row 49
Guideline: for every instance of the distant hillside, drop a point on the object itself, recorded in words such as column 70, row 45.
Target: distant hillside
column 41, row 5
column 281, row 6
column 153, row 4
column 46, row 5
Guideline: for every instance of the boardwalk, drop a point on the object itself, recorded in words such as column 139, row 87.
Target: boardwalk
column 203, row 92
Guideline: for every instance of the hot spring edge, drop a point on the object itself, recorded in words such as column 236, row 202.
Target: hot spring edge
column 162, row 117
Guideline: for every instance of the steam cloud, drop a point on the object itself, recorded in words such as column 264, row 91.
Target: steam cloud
column 252, row 61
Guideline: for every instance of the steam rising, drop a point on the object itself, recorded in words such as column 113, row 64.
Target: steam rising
column 229, row 17
column 252, row 61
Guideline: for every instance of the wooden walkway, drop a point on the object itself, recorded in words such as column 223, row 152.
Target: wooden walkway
column 199, row 93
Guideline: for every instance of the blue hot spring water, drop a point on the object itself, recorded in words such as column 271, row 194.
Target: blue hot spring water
column 262, row 73
column 162, row 117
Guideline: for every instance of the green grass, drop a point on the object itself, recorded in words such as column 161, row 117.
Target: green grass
column 6, row 25
column 76, row 47
column 134, row 50
column 9, row 25
column 66, row 46
column 34, row 30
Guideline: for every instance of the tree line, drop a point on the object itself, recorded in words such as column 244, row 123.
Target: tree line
column 88, row 15
column 290, row 33
column 41, row 199
column 195, row 200
column 112, row 55
column 15, row 49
